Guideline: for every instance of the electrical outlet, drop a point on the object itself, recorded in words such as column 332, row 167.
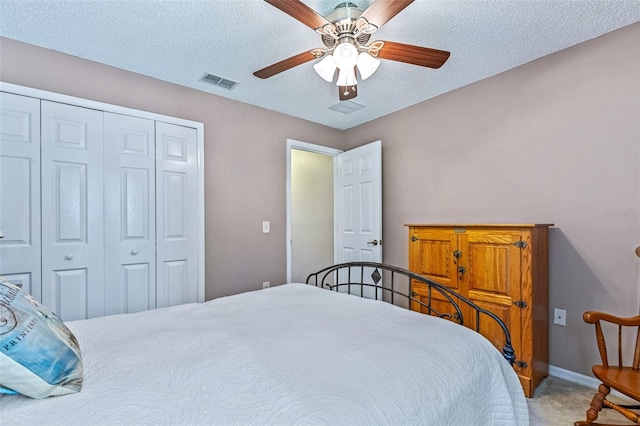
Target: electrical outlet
column 560, row 317
column 266, row 284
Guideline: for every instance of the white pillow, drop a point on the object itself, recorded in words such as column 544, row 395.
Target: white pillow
column 39, row 356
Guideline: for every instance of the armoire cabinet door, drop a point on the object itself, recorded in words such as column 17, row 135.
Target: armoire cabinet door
column 129, row 214
column 432, row 254
column 493, row 279
column 72, row 211
column 20, row 191
column 176, row 214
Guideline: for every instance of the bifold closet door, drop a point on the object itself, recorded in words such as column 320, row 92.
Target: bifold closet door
column 176, row 215
column 20, row 191
column 72, row 211
column 129, row 185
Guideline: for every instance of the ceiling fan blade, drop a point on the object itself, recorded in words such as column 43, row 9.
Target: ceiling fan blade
column 381, row 11
column 284, row 65
column 347, row 92
column 416, row 55
column 300, row 11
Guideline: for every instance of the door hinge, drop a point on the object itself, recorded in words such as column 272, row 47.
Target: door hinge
column 520, row 244
column 520, row 303
column 521, row 364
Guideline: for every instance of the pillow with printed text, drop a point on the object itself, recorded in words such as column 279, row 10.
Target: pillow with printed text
column 39, row 356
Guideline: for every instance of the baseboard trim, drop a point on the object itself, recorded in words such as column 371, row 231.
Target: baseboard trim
column 574, row 377
column 580, row 379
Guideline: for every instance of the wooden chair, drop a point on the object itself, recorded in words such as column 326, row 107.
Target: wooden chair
column 624, row 379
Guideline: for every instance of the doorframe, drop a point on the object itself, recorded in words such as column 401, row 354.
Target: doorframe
column 319, row 149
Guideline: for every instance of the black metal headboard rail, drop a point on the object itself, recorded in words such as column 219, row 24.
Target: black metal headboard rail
column 343, row 274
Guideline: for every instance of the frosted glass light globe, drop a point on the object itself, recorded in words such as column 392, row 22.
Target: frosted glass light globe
column 326, row 68
column 367, row 65
column 345, row 56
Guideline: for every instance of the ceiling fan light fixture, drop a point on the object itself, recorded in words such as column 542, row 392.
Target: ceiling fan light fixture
column 326, row 68
column 345, row 56
column 347, row 77
column 367, row 65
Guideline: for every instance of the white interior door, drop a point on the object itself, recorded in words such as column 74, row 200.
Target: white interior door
column 20, row 191
column 359, row 208
column 130, row 227
column 72, row 209
column 177, row 215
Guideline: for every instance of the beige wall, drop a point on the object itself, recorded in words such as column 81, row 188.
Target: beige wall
column 556, row 140
column 311, row 213
column 553, row 141
column 245, row 156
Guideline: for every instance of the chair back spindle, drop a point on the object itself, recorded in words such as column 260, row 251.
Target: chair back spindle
column 602, row 345
column 636, row 355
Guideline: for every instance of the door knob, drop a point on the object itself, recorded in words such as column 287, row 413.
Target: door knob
column 68, row 257
column 374, row 242
column 134, row 252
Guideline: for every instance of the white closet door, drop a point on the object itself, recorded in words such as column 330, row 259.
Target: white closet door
column 20, row 191
column 72, row 211
column 129, row 185
column 176, row 214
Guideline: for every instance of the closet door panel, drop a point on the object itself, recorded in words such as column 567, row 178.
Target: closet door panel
column 176, row 201
column 72, row 211
column 129, row 157
column 20, row 191
column 71, row 290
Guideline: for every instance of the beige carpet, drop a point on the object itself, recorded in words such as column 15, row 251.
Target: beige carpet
column 558, row 402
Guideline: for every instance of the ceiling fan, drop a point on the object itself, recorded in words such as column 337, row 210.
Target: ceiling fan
column 345, row 33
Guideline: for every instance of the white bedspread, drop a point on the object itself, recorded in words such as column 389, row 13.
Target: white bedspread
column 292, row 354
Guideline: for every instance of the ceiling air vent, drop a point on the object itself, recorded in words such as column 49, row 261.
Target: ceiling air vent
column 346, row 107
column 219, row 81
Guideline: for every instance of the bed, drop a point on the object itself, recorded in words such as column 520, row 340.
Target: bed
column 291, row 354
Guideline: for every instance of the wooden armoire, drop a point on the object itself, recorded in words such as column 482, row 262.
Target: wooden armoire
column 501, row 268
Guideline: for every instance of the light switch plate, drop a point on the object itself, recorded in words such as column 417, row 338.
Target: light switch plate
column 266, row 227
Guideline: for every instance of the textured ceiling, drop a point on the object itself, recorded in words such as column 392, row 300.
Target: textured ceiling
column 178, row 41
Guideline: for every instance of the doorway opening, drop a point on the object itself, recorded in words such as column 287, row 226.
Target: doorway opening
column 310, row 208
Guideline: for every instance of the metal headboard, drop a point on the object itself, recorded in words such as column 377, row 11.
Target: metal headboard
column 352, row 276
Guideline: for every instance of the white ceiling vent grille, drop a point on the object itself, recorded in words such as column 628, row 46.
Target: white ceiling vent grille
column 346, row 107
column 219, row 81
